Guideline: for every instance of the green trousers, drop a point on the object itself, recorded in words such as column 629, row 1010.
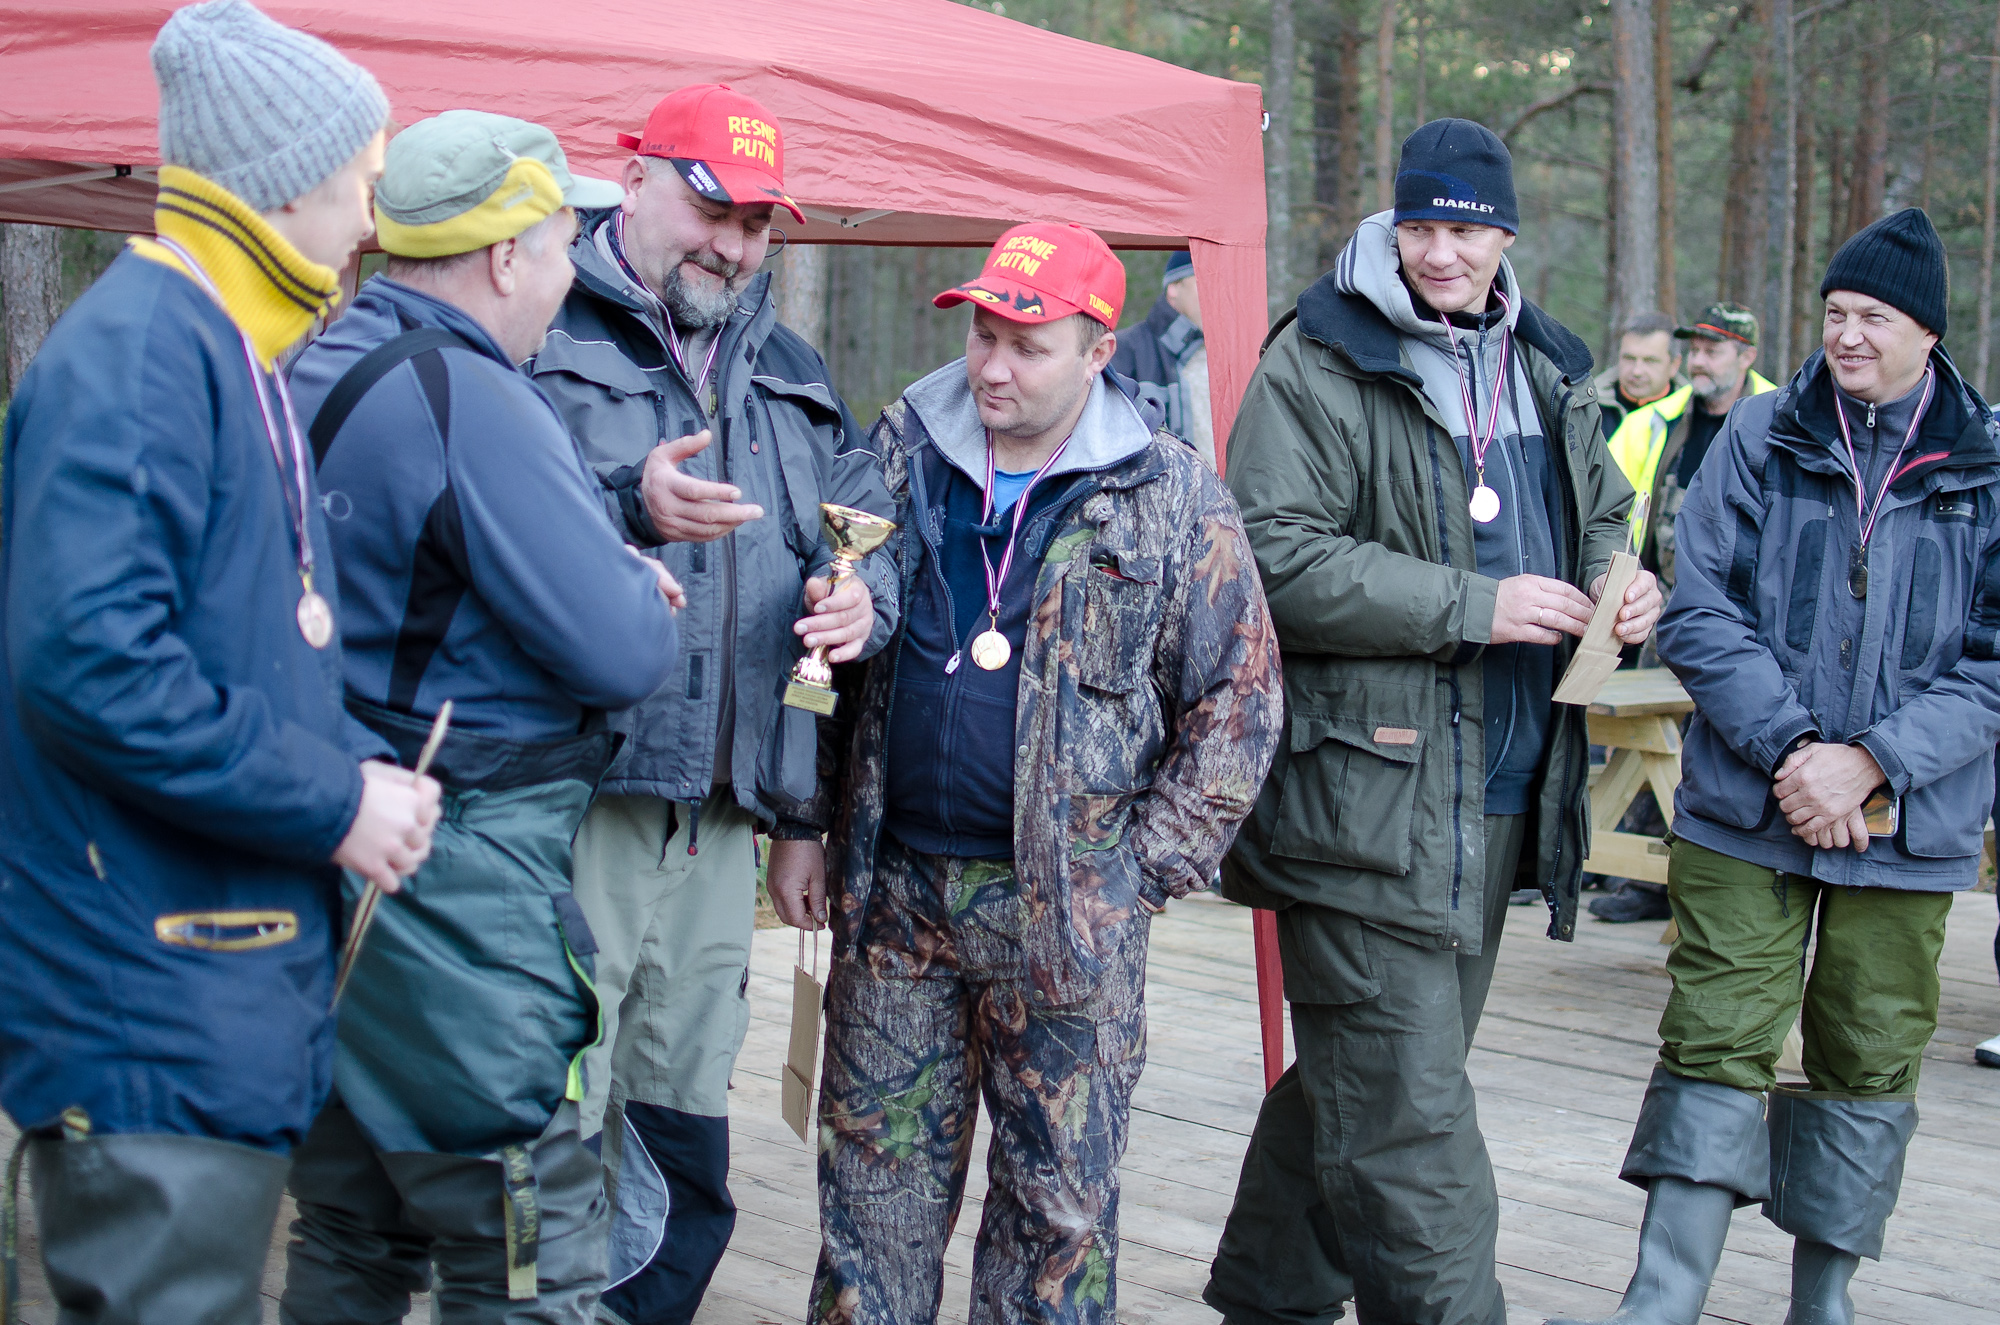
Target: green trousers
column 1739, row 976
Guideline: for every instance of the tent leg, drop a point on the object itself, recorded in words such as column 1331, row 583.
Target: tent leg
column 1270, row 993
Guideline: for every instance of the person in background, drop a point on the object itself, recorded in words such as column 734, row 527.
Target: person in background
column 1425, row 485
column 1836, row 621
column 179, row 784
column 1166, row 355
column 1648, row 367
column 1660, row 446
column 1063, row 735
column 670, row 333
column 465, row 519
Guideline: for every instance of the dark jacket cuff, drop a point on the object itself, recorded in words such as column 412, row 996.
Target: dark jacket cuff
column 1781, row 746
column 625, row 487
column 1892, row 767
column 796, row 830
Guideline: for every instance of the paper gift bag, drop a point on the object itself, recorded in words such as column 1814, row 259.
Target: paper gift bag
column 802, row 1062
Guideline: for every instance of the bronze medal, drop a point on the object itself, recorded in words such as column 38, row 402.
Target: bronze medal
column 1857, row 573
column 990, row 650
column 315, row 620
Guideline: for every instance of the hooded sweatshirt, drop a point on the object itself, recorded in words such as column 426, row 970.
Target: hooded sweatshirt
column 1457, row 359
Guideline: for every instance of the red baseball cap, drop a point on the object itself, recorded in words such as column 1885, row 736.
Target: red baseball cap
column 1044, row 271
column 726, row 146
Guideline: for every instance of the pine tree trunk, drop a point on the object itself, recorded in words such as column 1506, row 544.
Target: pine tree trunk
column 1836, row 191
column 798, row 286
column 1871, row 142
column 1336, row 128
column 30, row 292
column 1278, row 156
column 1663, row 115
column 1803, row 285
column 1636, row 278
column 1385, row 108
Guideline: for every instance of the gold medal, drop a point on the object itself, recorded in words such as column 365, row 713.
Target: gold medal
column 315, row 620
column 990, row 650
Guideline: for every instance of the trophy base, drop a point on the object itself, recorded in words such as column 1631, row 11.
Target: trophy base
column 811, row 698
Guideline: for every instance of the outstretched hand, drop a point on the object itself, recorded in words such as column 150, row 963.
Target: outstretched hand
column 690, row 510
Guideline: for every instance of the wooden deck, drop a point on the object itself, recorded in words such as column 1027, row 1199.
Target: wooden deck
column 1561, row 1063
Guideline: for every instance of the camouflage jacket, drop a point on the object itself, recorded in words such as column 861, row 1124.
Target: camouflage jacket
column 1148, row 714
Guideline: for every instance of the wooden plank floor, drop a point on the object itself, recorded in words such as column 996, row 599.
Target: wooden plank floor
column 1561, row 1063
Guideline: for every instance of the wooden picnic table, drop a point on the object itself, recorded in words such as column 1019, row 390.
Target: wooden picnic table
column 1636, row 717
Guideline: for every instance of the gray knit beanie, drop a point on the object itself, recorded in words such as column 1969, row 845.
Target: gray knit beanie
column 266, row 112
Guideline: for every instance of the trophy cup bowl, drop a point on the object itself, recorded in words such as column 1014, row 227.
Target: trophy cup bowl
column 852, row 535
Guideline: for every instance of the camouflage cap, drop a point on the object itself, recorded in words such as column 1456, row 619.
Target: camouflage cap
column 1723, row 321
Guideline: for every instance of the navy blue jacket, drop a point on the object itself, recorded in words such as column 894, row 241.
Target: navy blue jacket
column 1772, row 645
column 176, row 769
column 556, row 621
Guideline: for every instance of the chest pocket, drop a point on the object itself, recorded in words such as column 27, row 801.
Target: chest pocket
column 612, row 406
column 793, row 415
column 1121, row 618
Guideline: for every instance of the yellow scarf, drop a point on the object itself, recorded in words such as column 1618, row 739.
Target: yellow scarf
column 270, row 289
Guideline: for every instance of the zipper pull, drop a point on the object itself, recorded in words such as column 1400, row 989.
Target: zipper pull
column 1871, row 413
column 1454, row 715
column 952, row 665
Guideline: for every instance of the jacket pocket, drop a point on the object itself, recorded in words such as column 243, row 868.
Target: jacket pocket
column 1947, row 819
column 1802, row 612
column 1718, row 786
column 1920, row 622
column 1350, row 791
column 1121, row 614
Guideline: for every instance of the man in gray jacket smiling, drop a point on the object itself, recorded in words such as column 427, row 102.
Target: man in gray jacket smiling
column 1836, row 618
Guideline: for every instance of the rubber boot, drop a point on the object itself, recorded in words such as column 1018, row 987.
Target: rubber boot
column 155, row 1230
column 1679, row 1246
column 1836, row 1170
column 1820, row 1274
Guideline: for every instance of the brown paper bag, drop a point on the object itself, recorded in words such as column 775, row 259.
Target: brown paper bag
column 1596, row 657
column 802, row 1062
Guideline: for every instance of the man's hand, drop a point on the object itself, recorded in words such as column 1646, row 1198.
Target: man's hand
column 1534, row 609
column 391, row 834
column 1821, row 787
column 795, row 876
column 1641, row 612
column 842, row 622
column 670, row 588
column 690, row 510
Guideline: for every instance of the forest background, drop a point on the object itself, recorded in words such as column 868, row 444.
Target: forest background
column 1667, row 153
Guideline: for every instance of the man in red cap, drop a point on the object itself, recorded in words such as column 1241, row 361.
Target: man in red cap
column 669, row 333
column 1015, row 803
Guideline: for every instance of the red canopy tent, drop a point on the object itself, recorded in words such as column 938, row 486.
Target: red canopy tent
column 907, row 122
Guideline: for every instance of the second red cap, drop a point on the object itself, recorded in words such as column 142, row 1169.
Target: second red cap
column 1043, row 271
column 725, row 145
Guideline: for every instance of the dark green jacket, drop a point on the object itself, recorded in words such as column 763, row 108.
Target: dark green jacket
column 1355, row 501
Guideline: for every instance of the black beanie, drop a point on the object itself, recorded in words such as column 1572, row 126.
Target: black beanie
column 1455, row 170
column 1899, row 260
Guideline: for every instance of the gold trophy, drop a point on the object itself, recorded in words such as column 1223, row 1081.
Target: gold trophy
column 852, row 535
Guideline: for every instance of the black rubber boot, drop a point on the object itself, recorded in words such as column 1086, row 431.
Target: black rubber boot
column 1836, row 1170
column 1820, row 1275
column 155, row 1230
column 1632, row 902
column 1679, row 1246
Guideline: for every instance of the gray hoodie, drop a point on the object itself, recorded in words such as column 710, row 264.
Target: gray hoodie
column 1521, row 540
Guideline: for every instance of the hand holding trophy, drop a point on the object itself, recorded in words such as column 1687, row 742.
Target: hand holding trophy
column 852, row 535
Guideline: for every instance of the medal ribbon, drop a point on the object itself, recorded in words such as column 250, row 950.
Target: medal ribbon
column 1479, row 444
column 673, row 333
column 1866, row 519
column 995, row 582
column 294, row 508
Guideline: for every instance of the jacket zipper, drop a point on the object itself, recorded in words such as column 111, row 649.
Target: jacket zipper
column 1570, row 782
column 1457, row 732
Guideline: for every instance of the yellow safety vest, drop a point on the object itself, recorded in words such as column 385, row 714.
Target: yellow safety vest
column 1641, row 439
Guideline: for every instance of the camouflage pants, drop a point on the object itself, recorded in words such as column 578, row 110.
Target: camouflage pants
column 929, row 1011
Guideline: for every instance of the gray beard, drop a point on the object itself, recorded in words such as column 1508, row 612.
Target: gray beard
column 695, row 310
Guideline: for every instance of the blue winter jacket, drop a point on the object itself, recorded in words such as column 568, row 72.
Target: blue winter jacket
column 523, row 653
column 176, row 770
column 1770, row 642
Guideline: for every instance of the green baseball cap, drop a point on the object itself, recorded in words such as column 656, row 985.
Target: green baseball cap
column 467, row 178
column 1724, row 321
